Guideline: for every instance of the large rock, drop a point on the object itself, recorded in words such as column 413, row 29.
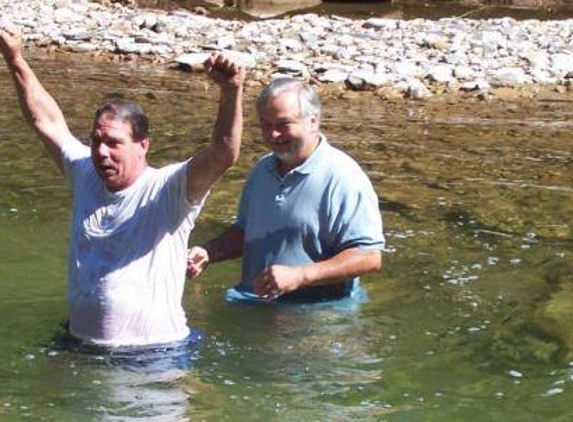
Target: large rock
column 509, row 76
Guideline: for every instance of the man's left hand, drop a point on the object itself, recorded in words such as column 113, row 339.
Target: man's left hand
column 277, row 280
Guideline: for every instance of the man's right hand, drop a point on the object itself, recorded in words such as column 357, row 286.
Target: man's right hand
column 197, row 261
column 10, row 41
column 225, row 70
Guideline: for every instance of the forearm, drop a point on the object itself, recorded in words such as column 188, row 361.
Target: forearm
column 228, row 245
column 347, row 264
column 227, row 132
column 223, row 151
column 38, row 107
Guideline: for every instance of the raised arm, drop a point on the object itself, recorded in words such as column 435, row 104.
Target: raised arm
column 38, row 106
column 228, row 245
column 223, row 151
column 279, row 279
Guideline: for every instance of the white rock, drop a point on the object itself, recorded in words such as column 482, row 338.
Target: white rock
column 537, row 59
column 509, row 76
column 333, row 75
column 541, row 76
column 464, row 72
column 290, row 43
column 192, row 60
column 368, row 78
column 417, row 90
column 344, row 53
column 441, row 74
column 292, row 66
column 64, row 15
column 379, row 23
column 562, row 65
column 82, row 47
column 407, row 69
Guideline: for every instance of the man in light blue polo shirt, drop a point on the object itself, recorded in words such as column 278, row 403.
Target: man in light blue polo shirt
column 308, row 222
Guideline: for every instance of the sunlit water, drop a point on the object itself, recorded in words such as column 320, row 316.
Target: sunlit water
column 470, row 320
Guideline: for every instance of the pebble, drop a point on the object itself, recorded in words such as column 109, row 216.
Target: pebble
column 413, row 58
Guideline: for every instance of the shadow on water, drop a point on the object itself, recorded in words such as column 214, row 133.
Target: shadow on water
column 470, row 319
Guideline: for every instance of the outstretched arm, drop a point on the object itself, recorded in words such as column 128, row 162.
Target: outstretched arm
column 205, row 168
column 227, row 246
column 279, row 279
column 38, row 106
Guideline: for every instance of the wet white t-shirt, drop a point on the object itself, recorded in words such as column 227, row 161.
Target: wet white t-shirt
column 127, row 255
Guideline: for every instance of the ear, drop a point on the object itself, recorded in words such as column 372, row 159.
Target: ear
column 145, row 143
column 314, row 123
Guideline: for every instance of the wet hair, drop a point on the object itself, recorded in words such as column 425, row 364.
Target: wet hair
column 126, row 111
column 308, row 102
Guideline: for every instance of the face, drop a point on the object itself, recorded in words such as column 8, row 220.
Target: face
column 292, row 138
column 117, row 158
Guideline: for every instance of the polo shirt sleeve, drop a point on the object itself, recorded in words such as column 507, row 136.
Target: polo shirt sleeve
column 355, row 219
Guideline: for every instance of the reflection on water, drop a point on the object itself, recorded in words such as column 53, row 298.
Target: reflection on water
column 470, row 319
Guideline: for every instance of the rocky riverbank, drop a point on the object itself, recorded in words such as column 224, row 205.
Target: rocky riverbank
column 416, row 58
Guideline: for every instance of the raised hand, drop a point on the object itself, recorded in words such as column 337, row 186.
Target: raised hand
column 10, row 41
column 225, row 71
column 197, row 261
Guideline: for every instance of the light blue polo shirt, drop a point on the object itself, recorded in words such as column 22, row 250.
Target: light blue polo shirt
column 322, row 207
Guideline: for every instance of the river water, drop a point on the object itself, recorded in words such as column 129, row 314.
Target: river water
column 469, row 320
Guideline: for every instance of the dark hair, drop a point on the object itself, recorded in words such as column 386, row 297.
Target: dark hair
column 127, row 111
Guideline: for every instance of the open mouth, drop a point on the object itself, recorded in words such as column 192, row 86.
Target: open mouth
column 107, row 171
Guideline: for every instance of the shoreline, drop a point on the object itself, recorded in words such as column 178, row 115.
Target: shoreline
column 417, row 59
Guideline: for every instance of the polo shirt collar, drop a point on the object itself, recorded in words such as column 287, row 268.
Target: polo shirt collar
column 309, row 164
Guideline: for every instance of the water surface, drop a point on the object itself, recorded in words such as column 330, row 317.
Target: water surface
column 470, row 319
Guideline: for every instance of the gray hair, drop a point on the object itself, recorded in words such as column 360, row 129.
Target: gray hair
column 308, row 102
column 129, row 112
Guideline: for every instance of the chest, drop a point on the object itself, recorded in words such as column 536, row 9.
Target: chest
column 296, row 202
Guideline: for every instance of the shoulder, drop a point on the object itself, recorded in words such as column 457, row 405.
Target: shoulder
column 261, row 168
column 340, row 167
column 167, row 172
column 73, row 149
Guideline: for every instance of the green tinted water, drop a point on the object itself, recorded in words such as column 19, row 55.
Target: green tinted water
column 469, row 321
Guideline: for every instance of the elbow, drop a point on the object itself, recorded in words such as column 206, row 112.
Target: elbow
column 231, row 153
column 223, row 161
column 229, row 160
column 376, row 261
column 234, row 157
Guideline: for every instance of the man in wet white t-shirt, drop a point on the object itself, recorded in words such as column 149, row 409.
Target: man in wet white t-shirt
column 131, row 222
